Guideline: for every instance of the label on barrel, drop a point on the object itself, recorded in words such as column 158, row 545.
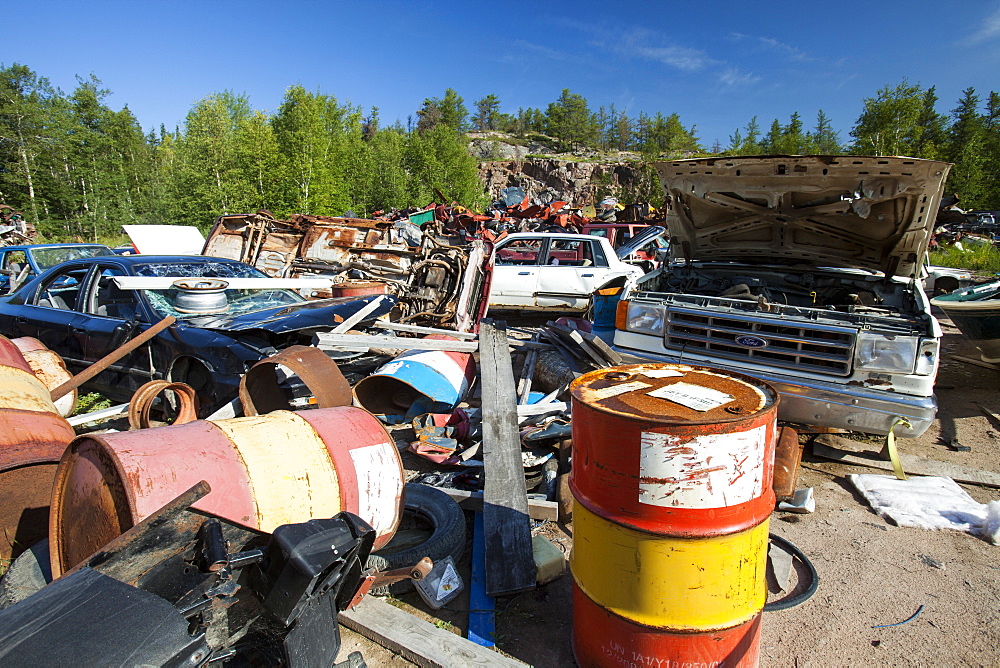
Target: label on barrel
column 708, row 471
column 378, row 488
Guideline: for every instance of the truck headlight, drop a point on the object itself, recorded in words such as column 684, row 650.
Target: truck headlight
column 645, row 318
column 881, row 352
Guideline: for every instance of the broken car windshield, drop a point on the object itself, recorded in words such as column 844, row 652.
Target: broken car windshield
column 237, row 301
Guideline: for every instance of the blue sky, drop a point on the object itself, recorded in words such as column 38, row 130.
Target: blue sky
column 716, row 64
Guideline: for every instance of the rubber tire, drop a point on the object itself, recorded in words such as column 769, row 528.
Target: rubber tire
column 27, row 574
column 447, row 538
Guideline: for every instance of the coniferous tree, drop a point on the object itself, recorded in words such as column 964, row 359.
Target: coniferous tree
column 965, row 148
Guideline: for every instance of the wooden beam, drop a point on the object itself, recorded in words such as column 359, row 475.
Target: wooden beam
column 331, row 340
column 417, row 329
column 358, row 316
column 416, row 640
column 510, row 564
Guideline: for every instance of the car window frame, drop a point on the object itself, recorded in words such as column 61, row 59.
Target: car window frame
column 57, row 272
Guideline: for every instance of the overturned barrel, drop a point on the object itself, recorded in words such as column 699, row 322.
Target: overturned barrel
column 672, row 470
column 33, row 437
column 265, row 471
column 437, row 379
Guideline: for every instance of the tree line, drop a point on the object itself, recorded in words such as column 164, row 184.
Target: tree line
column 76, row 167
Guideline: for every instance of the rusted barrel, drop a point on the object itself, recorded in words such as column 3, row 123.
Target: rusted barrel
column 265, row 471
column 672, row 469
column 49, row 368
column 438, row 379
column 359, row 288
column 33, row 436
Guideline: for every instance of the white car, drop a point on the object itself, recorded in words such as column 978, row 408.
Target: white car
column 541, row 271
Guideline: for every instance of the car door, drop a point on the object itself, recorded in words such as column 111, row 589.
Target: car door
column 113, row 317
column 574, row 268
column 51, row 316
column 515, row 271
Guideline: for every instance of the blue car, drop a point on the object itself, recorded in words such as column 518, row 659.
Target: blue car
column 19, row 264
column 78, row 310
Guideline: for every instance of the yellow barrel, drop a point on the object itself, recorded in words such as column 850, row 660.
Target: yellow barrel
column 672, row 478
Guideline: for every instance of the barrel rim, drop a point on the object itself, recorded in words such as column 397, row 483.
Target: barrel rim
column 750, row 380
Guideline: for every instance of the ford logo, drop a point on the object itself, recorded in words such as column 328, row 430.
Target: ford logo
column 750, row 342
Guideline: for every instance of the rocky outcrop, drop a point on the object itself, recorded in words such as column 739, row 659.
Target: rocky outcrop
column 548, row 179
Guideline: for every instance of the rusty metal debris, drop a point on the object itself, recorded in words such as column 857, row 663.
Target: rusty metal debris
column 440, row 279
column 143, row 400
column 261, row 389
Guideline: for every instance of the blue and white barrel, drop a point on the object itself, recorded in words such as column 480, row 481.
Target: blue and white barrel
column 418, row 382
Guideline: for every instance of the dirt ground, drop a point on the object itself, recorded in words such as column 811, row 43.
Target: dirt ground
column 872, row 573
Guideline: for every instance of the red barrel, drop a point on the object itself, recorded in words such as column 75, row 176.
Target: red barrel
column 265, row 471
column 672, row 469
column 33, row 437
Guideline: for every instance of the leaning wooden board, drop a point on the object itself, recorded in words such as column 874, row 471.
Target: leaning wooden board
column 421, row 642
column 510, row 564
column 846, row 451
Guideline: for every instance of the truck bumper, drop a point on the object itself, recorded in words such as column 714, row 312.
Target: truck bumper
column 826, row 404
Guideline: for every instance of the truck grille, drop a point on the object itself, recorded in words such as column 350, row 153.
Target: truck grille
column 787, row 344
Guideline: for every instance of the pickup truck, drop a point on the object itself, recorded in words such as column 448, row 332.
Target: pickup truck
column 803, row 271
column 542, row 271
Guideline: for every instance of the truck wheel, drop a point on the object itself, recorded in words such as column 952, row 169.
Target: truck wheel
column 433, row 525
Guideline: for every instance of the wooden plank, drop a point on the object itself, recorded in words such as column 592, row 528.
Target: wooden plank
column 97, row 416
column 421, row 642
column 510, row 563
column 537, row 508
column 572, row 359
column 602, row 347
column 524, row 383
column 417, row 329
column 331, row 340
column 577, row 337
column 358, row 316
column 829, row 446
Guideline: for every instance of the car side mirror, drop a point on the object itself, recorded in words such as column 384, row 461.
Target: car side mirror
column 122, row 333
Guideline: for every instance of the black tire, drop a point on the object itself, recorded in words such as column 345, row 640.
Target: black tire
column 436, row 512
column 27, row 574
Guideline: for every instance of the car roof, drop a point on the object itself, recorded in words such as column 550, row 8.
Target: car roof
column 547, row 235
column 152, row 259
column 34, row 246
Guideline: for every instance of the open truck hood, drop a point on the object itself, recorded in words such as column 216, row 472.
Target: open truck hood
column 874, row 213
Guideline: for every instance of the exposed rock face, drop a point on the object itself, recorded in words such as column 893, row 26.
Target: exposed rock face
column 546, row 179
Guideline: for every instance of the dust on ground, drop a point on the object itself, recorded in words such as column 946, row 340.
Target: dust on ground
column 872, row 573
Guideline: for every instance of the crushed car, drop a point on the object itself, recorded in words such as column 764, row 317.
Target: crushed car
column 87, row 308
column 801, row 271
column 438, row 280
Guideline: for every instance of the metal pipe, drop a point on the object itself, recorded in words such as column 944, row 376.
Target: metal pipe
column 112, row 357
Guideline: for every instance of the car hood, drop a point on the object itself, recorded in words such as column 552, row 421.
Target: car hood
column 874, row 213
column 321, row 313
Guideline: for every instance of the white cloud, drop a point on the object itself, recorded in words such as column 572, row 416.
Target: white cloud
column 733, row 76
column 989, row 29
column 656, row 47
column 772, row 44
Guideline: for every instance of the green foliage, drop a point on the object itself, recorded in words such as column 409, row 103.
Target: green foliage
column 570, row 120
column 974, row 257
column 90, row 402
column 79, row 169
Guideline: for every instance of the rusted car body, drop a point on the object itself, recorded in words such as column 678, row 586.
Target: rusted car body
column 440, row 280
